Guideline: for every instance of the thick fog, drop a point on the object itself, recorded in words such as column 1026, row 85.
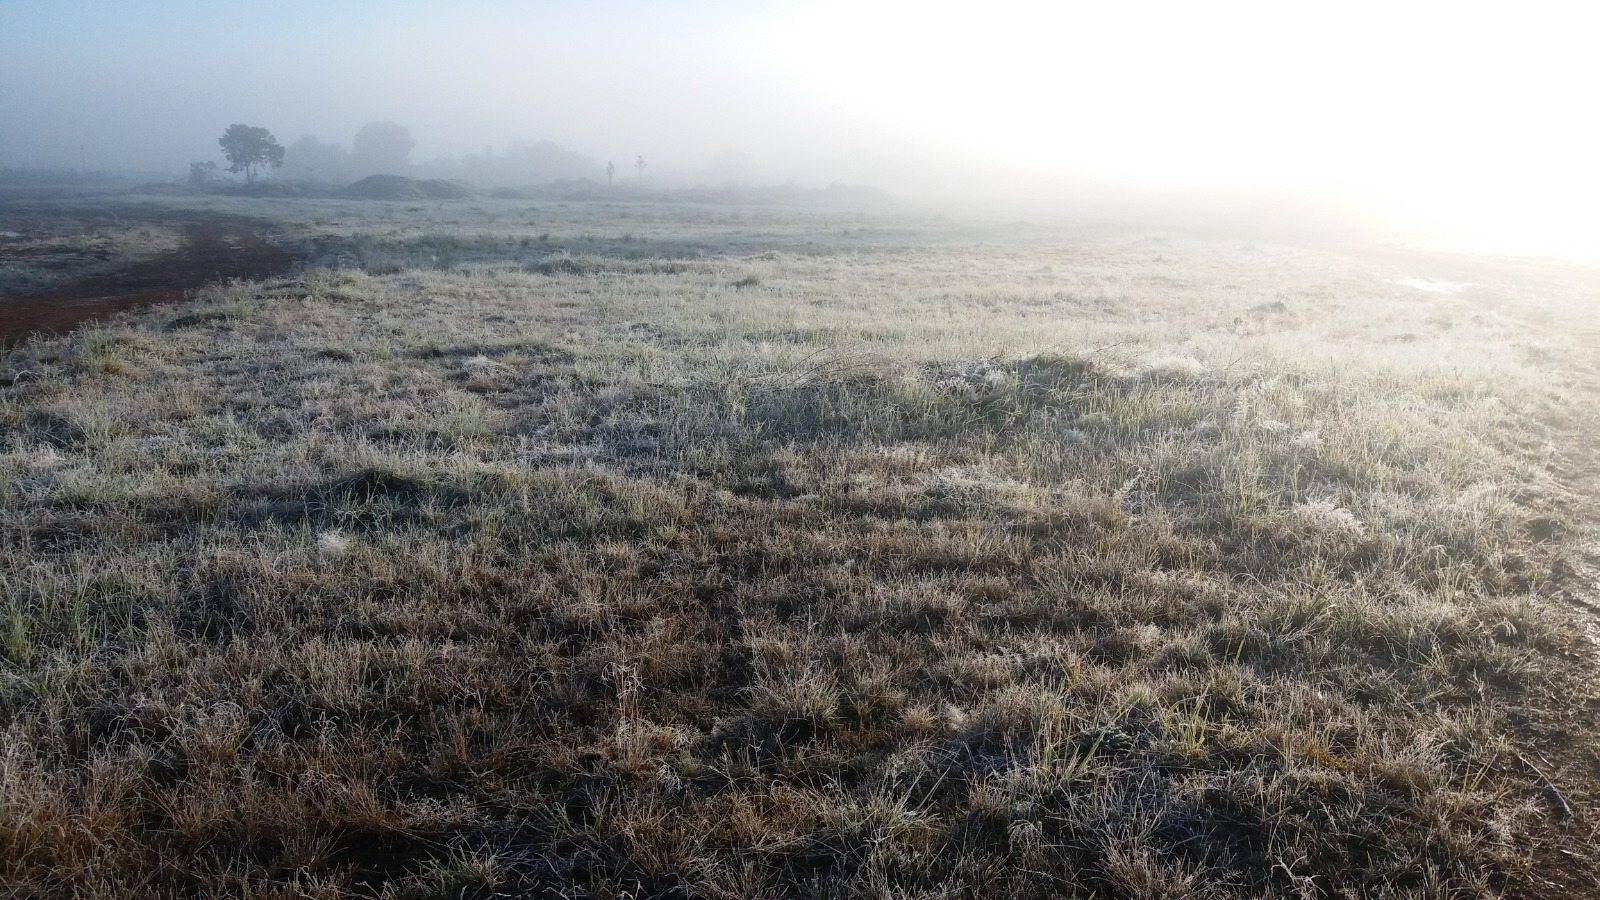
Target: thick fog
column 1475, row 123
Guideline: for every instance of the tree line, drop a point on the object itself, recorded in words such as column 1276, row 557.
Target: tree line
column 385, row 148
column 251, row 150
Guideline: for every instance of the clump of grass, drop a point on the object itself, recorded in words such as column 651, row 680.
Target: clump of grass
column 567, row 264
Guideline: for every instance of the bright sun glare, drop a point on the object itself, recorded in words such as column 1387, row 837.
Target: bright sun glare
column 1454, row 116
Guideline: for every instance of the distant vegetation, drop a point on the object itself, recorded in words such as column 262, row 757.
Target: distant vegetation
column 56, row 177
column 250, row 149
column 310, row 166
column 202, row 173
column 384, row 148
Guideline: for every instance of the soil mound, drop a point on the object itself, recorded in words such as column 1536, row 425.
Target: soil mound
column 399, row 187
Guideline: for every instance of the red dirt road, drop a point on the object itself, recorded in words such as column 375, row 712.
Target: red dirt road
column 216, row 247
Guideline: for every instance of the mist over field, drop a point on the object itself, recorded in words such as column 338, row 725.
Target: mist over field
column 1465, row 126
column 743, row 451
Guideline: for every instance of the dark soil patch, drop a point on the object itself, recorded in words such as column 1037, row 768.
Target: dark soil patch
column 345, row 501
column 370, row 484
column 216, row 247
column 54, row 430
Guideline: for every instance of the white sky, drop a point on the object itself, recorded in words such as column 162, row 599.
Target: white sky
column 1479, row 117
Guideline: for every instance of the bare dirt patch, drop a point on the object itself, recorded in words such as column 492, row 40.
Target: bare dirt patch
column 215, row 247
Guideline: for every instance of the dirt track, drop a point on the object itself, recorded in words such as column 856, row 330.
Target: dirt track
column 215, row 247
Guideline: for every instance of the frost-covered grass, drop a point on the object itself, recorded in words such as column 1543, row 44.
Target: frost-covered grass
column 923, row 560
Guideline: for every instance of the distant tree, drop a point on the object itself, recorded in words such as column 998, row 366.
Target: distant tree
column 521, row 163
column 611, row 172
column 249, row 149
column 313, row 160
column 639, row 164
column 202, row 172
column 383, row 148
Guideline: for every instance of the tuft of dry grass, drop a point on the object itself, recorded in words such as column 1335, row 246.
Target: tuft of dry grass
column 922, row 560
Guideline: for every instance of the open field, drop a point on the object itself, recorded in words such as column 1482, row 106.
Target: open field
column 634, row 550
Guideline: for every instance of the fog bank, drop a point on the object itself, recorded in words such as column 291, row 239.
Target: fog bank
column 1460, row 122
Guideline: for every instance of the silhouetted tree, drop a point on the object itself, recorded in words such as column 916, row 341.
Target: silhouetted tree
column 639, row 164
column 202, row 172
column 382, row 148
column 250, row 148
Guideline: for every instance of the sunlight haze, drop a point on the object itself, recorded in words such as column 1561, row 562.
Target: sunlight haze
column 1459, row 118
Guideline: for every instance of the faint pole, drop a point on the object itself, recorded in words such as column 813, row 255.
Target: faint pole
column 611, row 173
column 639, row 164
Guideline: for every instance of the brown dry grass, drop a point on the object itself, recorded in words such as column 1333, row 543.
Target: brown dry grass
column 915, row 564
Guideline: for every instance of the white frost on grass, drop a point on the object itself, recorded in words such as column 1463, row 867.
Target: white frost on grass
column 1272, row 426
column 1434, row 285
column 1327, row 516
column 332, row 544
column 1172, row 367
column 1310, row 439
